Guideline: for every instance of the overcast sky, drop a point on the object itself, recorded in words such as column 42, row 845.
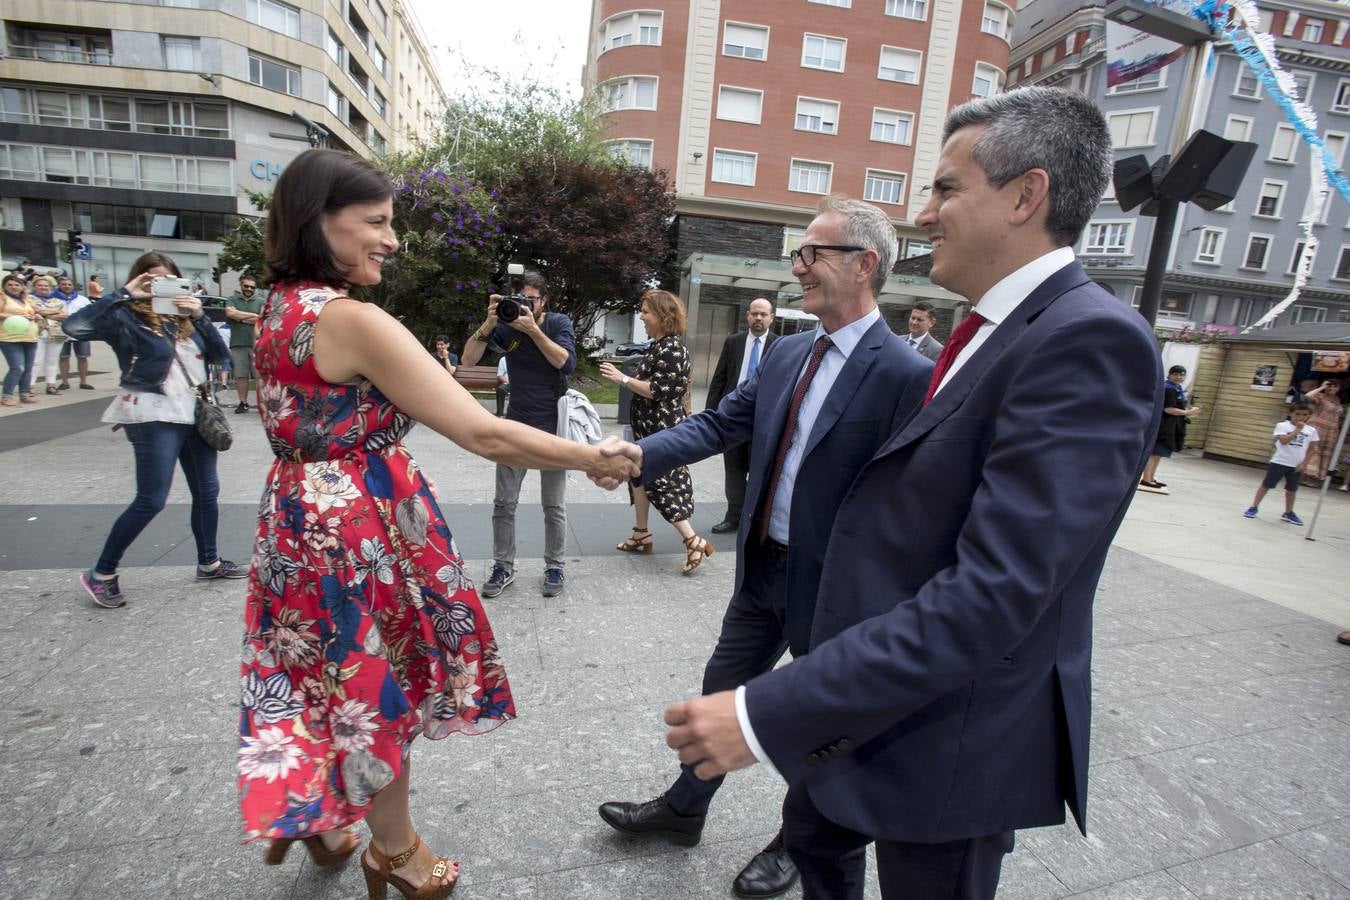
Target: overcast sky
column 544, row 37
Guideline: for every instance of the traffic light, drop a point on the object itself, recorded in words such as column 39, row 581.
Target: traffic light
column 215, row 274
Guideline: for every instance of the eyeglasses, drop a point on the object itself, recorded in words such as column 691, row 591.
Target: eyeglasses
column 807, row 252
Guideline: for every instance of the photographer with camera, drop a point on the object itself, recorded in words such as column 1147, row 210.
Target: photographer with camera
column 540, row 349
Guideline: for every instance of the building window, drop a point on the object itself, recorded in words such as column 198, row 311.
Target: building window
column 279, row 17
column 809, row 177
column 1150, row 82
column 1107, row 238
column 792, row 239
column 336, row 103
column 884, row 187
column 745, row 41
column 891, row 126
column 821, row 116
column 908, row 9
column 988, row 81
column 274, row 76
column 1258, row 247
column 379, row 15
column 141, row 221
column 636, row 153
column 900, row 65
column 377, row 100
column 1209, row 249
column 66, row 165
column 1304, row 314
column 631, row 28
column 630, row 93
column 11, row 215
column 1237, row 128
column 844, row 3
column 1283, row 144
column 333, row 45
column 1299, row 247
column 1271, row 199
column 182, row 4
column 995, row 20
column 739, row 104
column 183, row 54
column 1341, row 102
column 1133, row 128
column 1343, row 265
column 821, row 52
column 1247, row 86
column 1303, row 82
column 1312, row 30
column 733, row 167
column 1174, row 305
column 915, row 247
column 16, row 106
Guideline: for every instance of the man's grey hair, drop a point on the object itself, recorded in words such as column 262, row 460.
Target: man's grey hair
column 867, row 226
column 1055, row 129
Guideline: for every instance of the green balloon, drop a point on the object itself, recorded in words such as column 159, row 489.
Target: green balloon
column 17, row 324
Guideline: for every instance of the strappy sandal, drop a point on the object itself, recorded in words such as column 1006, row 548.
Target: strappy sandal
column 697, row 549
column 380, row 876
column 640, row 542
column 318, row 850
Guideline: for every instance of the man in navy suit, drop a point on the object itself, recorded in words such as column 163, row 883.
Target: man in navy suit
column 945, row 699
column 819, row 406
column 738, row 361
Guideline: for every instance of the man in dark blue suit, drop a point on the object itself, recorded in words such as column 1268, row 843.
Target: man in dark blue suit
column 819, row 406
column 945, row 699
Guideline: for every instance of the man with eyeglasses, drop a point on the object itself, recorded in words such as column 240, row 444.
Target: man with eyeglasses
column 243, row 311
column 819, row 405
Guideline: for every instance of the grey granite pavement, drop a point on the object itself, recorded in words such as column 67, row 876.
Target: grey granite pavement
column 1221, row 741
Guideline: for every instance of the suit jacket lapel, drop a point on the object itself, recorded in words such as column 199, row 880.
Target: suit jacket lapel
column 846, row 383
column 950, row 398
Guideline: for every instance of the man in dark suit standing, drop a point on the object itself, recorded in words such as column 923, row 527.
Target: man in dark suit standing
column 820, row 404
column 921, row 322
column 740, row 359
column 945, row 699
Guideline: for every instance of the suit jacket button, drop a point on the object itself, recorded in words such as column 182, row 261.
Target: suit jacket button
column 844, row 743
column 812, row 760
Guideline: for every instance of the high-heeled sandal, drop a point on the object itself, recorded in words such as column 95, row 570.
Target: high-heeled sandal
column 639, row 542
column 697, row 550
column 379, row 877
column 318, row 850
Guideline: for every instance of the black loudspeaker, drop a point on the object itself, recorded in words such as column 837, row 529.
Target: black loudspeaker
column 1208, row 171
column 1132, row 180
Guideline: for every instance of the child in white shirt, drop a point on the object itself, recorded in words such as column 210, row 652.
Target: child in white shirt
column 1292, row 438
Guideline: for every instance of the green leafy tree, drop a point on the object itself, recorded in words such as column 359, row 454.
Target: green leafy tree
column 241, row 249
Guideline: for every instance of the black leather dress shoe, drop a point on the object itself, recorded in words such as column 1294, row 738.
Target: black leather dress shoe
column 769, row 874
column 654, row 817
column 726, row 526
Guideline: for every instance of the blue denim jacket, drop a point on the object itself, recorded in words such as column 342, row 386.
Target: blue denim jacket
column 144, row 354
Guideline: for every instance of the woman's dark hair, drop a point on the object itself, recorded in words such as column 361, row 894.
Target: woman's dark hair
column 440, row 337
column 314, row 183
column 1301, row 407
column 1177, row 369
column 153, row 260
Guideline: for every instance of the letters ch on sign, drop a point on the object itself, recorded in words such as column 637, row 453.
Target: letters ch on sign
column 264, row 170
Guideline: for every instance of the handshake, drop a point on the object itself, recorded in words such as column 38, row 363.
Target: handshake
column 619, row 461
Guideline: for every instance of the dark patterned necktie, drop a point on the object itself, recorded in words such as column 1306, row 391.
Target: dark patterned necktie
column 818, row 351
column 955, row 344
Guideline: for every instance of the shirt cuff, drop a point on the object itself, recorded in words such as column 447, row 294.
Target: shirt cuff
column 743, row 719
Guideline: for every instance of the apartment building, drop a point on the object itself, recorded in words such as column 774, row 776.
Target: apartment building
column 142, row 124
column 1226, row 268
column 756, row 109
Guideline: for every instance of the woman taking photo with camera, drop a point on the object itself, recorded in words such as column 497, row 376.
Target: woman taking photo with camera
column 163, row 358
column 362, row 629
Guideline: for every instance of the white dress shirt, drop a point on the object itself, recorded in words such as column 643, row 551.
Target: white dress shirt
column 745, row 356
column 1001, row 299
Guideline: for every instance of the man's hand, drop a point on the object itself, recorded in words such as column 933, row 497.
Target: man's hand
column 526, row 323
column 611, row 470
column 612, row 447
column 706, row 735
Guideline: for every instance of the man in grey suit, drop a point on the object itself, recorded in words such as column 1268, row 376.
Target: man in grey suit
column 820, row 405
column 921, row 322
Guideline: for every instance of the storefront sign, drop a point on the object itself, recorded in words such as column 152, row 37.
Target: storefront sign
column 1264, row 379
column 1331, row 361
column 263, row 170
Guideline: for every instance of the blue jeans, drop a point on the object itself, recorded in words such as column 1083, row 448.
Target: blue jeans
column 157, row 446
column 20, row 356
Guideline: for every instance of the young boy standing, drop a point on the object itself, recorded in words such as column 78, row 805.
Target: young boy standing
column 1292, row 437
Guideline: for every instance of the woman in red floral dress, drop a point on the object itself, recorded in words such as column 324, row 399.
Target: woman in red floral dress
column 362, row 629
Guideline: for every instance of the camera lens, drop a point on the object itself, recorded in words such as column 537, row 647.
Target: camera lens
column 508, row 309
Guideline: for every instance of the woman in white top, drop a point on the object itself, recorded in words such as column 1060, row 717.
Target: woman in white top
column 163, row 359
column 51, row 311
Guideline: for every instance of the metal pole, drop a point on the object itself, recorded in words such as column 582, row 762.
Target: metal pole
column 1331, row 469
column 1159, row 249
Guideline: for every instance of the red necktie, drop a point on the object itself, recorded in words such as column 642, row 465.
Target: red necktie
column 955, row 344
column 818, row 351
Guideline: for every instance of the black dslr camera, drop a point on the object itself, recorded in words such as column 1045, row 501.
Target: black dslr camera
column 510, row 306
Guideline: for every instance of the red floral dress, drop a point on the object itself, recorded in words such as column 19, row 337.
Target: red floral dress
column 361, row 627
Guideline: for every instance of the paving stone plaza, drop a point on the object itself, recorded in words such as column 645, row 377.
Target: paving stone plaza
column 1221, row 734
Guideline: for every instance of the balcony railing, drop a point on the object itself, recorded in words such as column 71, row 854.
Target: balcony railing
column 62, row 54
